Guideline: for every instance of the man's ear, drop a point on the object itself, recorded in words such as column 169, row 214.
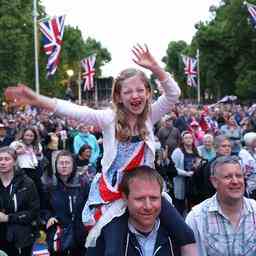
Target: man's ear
column 214, row 181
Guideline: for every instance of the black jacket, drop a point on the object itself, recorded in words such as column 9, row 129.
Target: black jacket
column 23, row 208
column 65, row 202
column 108, row 244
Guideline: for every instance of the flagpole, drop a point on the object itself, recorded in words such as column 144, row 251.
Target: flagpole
column 79, row 88
column 198, row 77
column 96, row 93
column 35, row 14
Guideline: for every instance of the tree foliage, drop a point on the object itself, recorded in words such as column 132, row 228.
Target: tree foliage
column 17, row 49
column 227, row 46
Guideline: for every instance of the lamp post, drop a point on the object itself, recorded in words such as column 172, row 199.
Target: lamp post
column 35, row 14
column 69, row 93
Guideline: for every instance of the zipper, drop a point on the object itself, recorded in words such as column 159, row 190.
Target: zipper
column 157, row 250
column 138, row 250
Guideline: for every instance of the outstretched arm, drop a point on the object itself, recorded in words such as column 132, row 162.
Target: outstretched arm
column 144, row 58
column 23, row 95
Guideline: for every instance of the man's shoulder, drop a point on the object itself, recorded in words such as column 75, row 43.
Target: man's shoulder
column 118, row 224
column 202, row 208
column 250, row 203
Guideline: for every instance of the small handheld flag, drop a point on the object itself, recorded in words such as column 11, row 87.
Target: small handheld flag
column 88, row 66
column 53, row 30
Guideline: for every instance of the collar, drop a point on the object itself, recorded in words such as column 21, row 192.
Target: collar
column 215, row 206
column 137, row 233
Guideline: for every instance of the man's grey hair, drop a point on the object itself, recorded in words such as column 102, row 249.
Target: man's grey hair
column 218, row 140
column 220, row 161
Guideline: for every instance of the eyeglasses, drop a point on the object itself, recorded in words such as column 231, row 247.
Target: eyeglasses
column 225, row 160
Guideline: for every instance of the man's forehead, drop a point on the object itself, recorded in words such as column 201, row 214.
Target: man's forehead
column 228, row 168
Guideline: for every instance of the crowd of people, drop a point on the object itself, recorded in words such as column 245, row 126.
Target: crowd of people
column 138, row 178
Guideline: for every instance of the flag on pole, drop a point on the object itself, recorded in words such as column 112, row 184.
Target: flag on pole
column 190, row 70
column 252, row 10
column 53, row 30
column 88, row 66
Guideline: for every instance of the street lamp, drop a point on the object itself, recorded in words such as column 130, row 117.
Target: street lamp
column 69, row 93
column 70, row 73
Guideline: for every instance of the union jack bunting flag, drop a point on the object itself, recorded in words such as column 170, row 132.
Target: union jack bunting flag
column 88, row 66
column 190, row 70
column 53, row 30
column 252, row 10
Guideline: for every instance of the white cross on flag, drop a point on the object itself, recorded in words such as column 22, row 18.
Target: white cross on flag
column 190, row 70
column 88, row 66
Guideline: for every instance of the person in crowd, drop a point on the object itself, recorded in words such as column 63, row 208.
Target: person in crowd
column 201, row 178
column 248, row 157
column 29, row 153
column 19, row 207
column 207, row 150
column 196, row 132
column 5, row 138
column 225, row 223
column 139, row 227
column 127, row 128
column 85, row 137
column 83, row 164
column 233, row 131
column 185, row 159
column 168, row 135
column 183, row 120
column 65, row 194
column 12, row 128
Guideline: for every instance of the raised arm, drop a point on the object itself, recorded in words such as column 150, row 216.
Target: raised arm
column 170, row 87
column 144, row 58
column 23, row 95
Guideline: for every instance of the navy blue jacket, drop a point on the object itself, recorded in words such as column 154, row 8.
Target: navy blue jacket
column 108, row 244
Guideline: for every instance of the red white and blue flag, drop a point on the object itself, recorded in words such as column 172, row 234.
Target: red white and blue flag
column 89, row 71
column 252, row 10
column 53, row 30
column 190, row 70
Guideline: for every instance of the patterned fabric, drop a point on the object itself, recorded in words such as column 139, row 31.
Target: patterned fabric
column 105, row 188
column 53, row 31
column 190, row 70
column 216, row 236
column 252, row 10
column 88, row 66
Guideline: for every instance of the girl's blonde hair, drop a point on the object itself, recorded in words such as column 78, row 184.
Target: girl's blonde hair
column 123, row 131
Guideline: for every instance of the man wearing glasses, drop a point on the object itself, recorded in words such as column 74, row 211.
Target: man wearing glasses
column 225, row 224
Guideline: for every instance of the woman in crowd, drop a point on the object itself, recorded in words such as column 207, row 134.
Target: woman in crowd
column 19, row 207
column 29, row 153
column 128, row 138
column 207, row 150
column 65, row 194
column 234, row 133
column 185, row 159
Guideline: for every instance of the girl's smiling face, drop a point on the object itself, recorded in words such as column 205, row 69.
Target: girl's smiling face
column 134, row 95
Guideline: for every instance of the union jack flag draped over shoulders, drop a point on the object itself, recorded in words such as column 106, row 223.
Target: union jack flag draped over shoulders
column 252, row 10
column 53, row 30
column 88, row 66
column 190, row 70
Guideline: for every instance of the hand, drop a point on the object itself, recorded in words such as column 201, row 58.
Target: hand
column 3, row 217
column 143, row 57
column 51, row 222
column 190, row 174
column 20, row 95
